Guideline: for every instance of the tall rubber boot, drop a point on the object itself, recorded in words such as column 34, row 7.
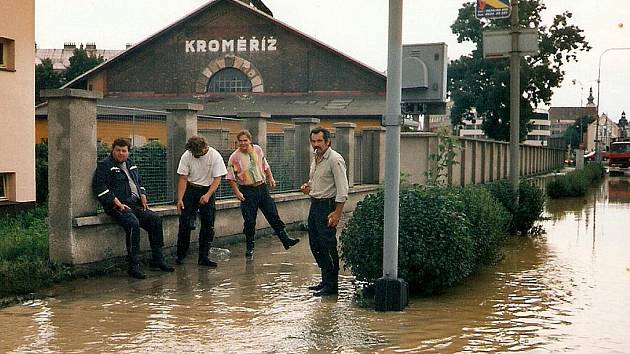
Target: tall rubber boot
column 204, row 250
column 157, row 261
column 320, row 285
column 134, row 270
column 330, row 284
column 287, row 241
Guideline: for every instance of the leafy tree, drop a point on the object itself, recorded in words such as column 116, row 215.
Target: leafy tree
column 485, row 84
column 45, row 78
column 80, row 62
column 574, row 133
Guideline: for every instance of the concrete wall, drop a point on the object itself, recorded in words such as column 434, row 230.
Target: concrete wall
column 478, row 161
column 17, row 100
column 98, row 237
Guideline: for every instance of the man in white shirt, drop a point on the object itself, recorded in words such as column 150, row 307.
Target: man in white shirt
column 200, row 170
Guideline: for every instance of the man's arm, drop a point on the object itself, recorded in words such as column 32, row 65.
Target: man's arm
column 213, row 188
column 341, row 184
column 270, row 180
column 237, row 192
column 181, row 189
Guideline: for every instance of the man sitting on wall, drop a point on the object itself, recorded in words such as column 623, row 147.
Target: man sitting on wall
column 118, row 187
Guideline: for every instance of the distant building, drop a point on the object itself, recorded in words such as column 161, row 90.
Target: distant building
column 608, row 132
column 561, row 118
column 540, row 130
column 60, row 58
column 438, row 121
column 17, row 80
column 471, row 127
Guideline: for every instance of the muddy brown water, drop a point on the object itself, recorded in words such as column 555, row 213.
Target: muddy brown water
column 564, row 291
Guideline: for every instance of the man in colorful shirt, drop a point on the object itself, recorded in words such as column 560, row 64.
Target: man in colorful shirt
column 248, row 175
column 200, row 170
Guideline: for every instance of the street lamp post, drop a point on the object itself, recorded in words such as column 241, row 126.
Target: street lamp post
column 598, row 156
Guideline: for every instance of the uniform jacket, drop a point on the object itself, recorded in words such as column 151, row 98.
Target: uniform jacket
column 111, row 181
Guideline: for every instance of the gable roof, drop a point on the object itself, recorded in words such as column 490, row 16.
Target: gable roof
column 203, row 8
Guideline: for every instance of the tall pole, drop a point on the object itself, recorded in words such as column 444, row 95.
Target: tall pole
column 391, row 292
column 598, row 156
column 392, row 140
column 515, row 95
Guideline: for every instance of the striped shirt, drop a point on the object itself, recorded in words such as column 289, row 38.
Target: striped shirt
column 247, row 168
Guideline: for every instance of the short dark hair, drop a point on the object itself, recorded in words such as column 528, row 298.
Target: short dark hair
column 318, row 130
column 122, row 142
column 196, row 144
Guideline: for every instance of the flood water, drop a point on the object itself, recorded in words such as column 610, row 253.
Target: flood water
column 564, row 291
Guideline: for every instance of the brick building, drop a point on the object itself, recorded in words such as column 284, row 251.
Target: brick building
column 232, row 56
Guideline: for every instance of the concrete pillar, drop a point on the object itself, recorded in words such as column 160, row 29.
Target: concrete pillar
column 303, row 148
column 373, row 163
column 344, row 144
column 181, row 124
column 579, row 159
column 256, row 123
column 71, row 165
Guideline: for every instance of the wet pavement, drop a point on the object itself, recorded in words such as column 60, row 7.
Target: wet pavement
column 563, row 291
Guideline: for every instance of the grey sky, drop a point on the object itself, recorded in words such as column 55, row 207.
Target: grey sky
column 359, row 29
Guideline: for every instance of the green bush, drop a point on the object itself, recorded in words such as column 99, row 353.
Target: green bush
column 489, row 220
column 438, row 243
column 531, row 203
column 24, row 265
column 575, row 183
column 41, row 171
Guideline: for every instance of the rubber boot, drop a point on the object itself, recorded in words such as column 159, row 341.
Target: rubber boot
column 330, row 284
column 287, row 241
column 157, row 261
column 134, row 270
column 249, row 241
column 319, row 285
column 204, row 250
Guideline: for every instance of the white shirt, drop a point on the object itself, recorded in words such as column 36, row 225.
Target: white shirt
column 201, row 170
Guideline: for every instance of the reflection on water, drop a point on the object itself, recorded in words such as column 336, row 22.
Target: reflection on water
column 562, row 291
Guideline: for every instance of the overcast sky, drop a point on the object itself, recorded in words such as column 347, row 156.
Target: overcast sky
column 359, row 29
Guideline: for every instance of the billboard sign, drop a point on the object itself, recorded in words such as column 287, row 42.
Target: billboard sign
column 492, row 9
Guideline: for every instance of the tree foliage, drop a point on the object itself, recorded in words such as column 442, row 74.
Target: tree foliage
column 485, row 84
column 573, row 134
column 46, row 78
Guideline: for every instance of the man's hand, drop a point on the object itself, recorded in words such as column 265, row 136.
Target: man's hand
column 120, row 206
column 204, row 199
column 239, row 196
column 305, row 188
column 180, row 206
column 272, row 183
column 333, row 219
column 144, row 202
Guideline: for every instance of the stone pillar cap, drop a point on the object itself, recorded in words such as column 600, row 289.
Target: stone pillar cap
column 305, row 120
column 344, row 125
column 253, row 115
column 183, row 107
column 70, row 92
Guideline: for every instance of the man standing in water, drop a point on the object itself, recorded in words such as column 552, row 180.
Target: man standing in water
column 250, row 177
column 118, row 187
column 328, row 189
column 200, row 170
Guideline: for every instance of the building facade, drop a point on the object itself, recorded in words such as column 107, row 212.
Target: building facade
column 17, row 82
column 60, row 58
column 232, row 56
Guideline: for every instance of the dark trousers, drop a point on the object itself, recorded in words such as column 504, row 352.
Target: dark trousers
column 189, row 215
column 132, row 220
column 323, row 238
column 259, row 198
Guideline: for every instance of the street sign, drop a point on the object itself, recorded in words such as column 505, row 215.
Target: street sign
column 493, row 9
column 498, row 44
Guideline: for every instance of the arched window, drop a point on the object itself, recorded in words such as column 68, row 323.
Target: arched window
column 229, row 80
